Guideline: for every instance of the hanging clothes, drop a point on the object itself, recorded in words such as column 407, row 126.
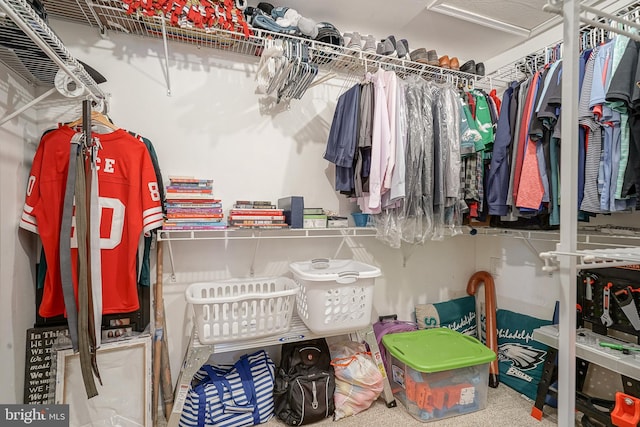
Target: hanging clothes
column 343, row 138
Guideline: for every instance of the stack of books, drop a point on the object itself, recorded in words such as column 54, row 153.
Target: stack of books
column 191, row 205
column 258, row 214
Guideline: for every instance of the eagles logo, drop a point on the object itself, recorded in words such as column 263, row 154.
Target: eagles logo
column 522, row 356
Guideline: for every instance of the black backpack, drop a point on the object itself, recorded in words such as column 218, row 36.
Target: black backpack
column 305, row 383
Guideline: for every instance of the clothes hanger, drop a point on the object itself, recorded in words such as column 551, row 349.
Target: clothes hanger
column 96, row 118
column 330, row 75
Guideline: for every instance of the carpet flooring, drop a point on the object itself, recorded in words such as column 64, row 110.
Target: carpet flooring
column 505, row 408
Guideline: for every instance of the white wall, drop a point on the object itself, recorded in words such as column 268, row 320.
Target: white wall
column 17, row 311
column 520, row 283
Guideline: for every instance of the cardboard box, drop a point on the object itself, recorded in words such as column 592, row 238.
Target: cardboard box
column 337, row 222
column 315, row 221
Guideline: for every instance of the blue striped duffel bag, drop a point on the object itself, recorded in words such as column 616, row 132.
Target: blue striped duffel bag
column 235, row 395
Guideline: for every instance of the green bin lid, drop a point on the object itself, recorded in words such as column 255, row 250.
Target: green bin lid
column 436, row 350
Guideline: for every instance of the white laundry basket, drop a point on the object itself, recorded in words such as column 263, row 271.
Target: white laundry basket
column 240, row 309
column 335, row 295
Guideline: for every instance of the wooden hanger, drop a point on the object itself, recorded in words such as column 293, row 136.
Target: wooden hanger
column 98, row 118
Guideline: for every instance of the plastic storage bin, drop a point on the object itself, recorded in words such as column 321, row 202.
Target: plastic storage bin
column 242, row 308
column 438, row 373
column 335, row 295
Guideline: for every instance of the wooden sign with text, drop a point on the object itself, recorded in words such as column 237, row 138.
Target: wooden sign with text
column 37, row 366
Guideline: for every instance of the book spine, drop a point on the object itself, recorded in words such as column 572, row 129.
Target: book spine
column 203, row 190
column 194, row 210
column 194, row 215
column 250, row 206
column 262, row 226
column 192, row 221
column 255, row 212
column 258, row 222
column 188, row 197
column 194, row 227
column 192, row 206
column 189, row 180
column 257, row 217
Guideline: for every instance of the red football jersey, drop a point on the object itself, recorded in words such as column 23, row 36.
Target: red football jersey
column 129, row 201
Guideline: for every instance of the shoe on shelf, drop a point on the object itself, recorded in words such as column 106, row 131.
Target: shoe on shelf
column 355, row 42
column 392, row 39
column 369, row 44
column 346, row 38
column 432, row 58
column 480, row 69
column 419, row 55
column 469, row 67
column 444, row 62
column 402, row 48
column 454, row 63
column 308, row 27
column 385, row 47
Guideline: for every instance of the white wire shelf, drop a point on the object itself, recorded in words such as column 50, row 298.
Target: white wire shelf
column 594, row 258
column 246, row 234
column 111, row 15
column 34, row 52
column 610, row 246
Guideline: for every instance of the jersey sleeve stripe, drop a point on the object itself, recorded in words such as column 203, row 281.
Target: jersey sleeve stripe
column 153, row 218
column 28, row 221
column 151, row 212
column 28, row 225
column 152, row 225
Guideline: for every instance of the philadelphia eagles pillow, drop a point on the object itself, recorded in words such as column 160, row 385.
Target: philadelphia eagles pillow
column 458, row 314
column 520, row 357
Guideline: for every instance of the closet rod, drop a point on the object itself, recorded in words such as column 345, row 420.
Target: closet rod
column 45, row 47
column 514, row 67
column 589, row 21
column 619, row 19
column 28, row 105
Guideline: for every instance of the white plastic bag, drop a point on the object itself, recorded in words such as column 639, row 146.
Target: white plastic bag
column 358, row 380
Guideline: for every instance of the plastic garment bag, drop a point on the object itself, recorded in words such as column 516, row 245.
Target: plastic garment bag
column 417, row 224
column 447, row 215
column 389, row 221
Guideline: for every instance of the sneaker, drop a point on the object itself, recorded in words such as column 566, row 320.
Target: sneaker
column 469, row 67
column 392, row 40
column 346, row 37
column 355, row 42
column 308, row 27
column 402, row 48
column 385, row 47
column 369, row 45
